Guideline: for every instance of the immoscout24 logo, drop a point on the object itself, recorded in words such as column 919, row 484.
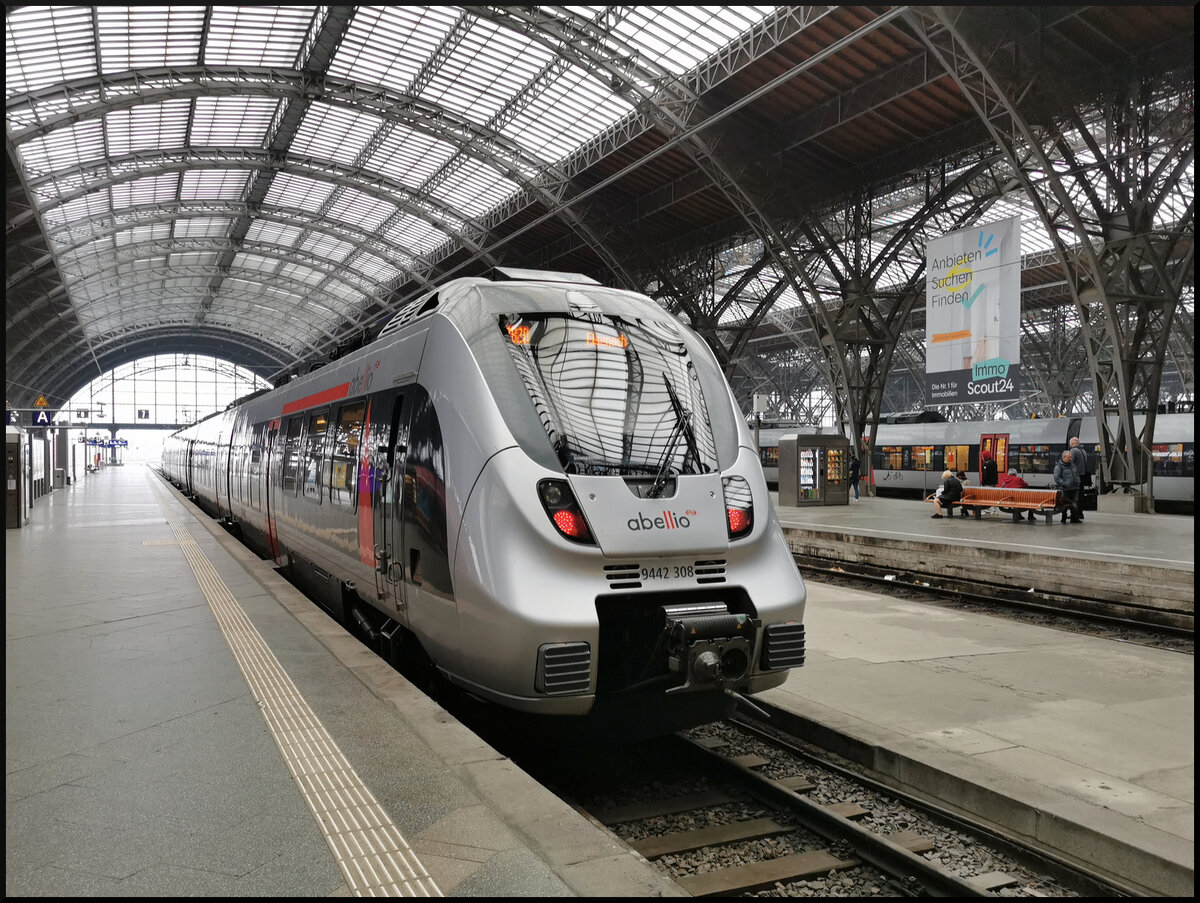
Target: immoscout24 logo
column 668, row 520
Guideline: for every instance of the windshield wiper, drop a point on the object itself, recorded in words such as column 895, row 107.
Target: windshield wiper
column 683, row 428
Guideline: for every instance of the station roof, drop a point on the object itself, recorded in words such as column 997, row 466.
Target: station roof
column 267, row 184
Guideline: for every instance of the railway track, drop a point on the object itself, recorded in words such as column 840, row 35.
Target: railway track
column 731, row 809
column 1168, row 630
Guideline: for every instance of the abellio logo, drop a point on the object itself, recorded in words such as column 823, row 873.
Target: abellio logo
column 668, row 520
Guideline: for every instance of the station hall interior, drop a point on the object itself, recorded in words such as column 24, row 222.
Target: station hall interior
column 908, row 236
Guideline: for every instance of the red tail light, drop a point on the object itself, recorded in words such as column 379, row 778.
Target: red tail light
column 739, row 521
column 560, row 505
column 739, row 506
column 571, row 524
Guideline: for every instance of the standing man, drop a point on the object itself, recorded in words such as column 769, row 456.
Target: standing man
column 1080, row 462
column 854, row 476
column 1067, row 480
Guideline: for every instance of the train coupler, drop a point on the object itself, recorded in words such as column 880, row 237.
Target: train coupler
column 709, row 645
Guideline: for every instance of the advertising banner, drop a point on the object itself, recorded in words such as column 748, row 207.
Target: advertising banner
column 973, row 315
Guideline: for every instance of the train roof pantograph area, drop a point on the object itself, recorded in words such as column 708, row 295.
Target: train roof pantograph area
column 270, row 184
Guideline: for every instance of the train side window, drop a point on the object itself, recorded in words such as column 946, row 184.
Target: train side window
column 318, row 426
column 1035, row 459
column 925, row 457
column 291, row 455
column 889, row 457
column 346, row 440
column 958, row 458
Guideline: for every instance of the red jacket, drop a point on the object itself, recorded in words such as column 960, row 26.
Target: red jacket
column 1012, row 481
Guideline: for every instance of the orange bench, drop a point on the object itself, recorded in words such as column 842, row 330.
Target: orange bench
column 1046, row 502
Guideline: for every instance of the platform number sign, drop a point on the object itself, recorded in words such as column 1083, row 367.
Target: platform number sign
column 41, row 418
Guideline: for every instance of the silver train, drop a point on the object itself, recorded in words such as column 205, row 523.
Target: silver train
column 539, row 486
column 909, row 457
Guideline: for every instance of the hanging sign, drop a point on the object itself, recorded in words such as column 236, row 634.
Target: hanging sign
column 973, row 315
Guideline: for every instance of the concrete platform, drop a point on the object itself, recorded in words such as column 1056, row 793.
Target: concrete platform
column 181, row 722
column 1084, row 744
column 1144, row 561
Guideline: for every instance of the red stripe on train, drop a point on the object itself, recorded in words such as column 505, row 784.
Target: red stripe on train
column 334, row 394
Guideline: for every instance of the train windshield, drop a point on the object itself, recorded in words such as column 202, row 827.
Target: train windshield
column 616, row 396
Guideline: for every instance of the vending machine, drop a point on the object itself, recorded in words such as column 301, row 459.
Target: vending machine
column 814, row 470
column 14, row 475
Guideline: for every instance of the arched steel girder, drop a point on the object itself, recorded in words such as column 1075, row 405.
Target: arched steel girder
column 105, row 174
column 62, row 376
column 1113, row 364
column 153, row 214
column 151, row 86
column 158, row 247
column 151, row 249
column 150, row 293
column 483, row 143
column 125, row 290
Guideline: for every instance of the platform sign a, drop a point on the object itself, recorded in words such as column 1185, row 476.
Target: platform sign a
column 973, row 315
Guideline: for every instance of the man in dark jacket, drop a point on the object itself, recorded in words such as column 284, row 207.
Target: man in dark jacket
column 951, row 493
column 1080, row 462
column 1066, row 478
column 989, row 471
column 854, row 475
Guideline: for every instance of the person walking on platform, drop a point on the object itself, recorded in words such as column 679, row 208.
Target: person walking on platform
column 951, row 492
column 1067, row 480
column 1080, row 462
column 854, row 476
column 1013, row 480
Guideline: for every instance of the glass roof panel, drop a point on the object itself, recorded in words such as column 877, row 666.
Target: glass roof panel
column 214, row 184
column 63, row 148
column 487, row 68
column 257, row 35
column 363, row 209
column 289, row 190
column 334, row 133
column 147, row 127
column 202, row 227
column 274, row 233
column 388, row 45
column 408, row 156
column 131, row 37
column 232, row 121
column 47, row 45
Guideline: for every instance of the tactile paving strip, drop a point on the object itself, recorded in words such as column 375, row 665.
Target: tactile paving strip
column 372, row 854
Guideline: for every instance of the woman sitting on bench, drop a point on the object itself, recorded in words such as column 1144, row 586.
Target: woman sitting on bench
column 950, row 493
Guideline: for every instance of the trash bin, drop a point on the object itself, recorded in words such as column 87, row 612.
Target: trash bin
column 59, row 477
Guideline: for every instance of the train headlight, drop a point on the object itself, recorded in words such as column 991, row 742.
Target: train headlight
column 739, row 506
column 563, row 510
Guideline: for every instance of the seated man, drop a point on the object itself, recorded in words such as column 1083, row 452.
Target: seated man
column 1012, row 480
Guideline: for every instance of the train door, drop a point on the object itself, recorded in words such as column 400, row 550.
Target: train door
column 997, row 444
column 269, row 480
column 221, row 486
column 384, row 449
